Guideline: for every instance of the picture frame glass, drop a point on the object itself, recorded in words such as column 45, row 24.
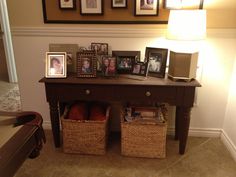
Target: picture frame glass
column 67, row 4
column 109, row 66
column 91, row 6
column 125, row 60
column 140, row 68
column 146, row 7
column 86, row 64
column 100, row 48
column 155, row 62
column 156, row 59
column 71, row 51
column 125, row 63
column 56, row 64
column 119, row 3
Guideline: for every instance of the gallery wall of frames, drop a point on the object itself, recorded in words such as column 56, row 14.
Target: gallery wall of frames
column 105, row 11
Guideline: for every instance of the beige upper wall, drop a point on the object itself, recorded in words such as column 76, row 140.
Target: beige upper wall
column 25, row 13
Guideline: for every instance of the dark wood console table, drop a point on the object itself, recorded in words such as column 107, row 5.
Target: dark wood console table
column 179, row 94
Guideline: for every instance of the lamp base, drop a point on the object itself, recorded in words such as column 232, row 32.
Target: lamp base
column 185, row 79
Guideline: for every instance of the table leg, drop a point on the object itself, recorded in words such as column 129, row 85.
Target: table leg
column 183, row 121
column 54, row 115
column 177, row 123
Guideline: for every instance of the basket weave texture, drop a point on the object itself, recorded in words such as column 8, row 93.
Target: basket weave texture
column 85, row 137
column 144, row 139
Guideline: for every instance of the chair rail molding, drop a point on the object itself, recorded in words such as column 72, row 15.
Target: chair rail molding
column 116, row 32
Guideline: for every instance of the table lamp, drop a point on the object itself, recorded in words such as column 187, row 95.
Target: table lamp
column 185, row 25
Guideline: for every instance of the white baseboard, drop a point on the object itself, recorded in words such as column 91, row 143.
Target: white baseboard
column 199, row 132
column 229, row 144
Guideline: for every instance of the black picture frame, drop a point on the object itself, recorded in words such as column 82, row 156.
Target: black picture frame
column 115, row 4
column 140, row 69
column 86, row 64
column 67, row 5
column 92, row 8
column 109, row 66
column 125, row 60
column 146, row 7
column 156, row 58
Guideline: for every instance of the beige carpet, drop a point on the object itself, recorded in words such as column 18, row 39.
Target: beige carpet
column 10, row 101
column 205, row 157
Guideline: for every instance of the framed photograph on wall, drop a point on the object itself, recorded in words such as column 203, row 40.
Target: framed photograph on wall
column 157, row 58
column 119, row 3
column 67, row 4
column 125, row 60
column 109, row 66
column 86, row 64
column 91, row 7
column 55, row 65
column 146, row 7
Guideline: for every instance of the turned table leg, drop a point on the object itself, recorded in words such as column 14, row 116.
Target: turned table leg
column 182, row 126
column 54, row 115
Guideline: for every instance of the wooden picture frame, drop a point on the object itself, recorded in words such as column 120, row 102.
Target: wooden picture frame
column 67, row 4
column 109, row 66
column 86, row 64
column 125, row 60
column 146, row 7
column 156, row 58
column 91, row 7
column 71, row 51
column 119, row 3
column 55, row 65
column 100, row 48
column 140, row 69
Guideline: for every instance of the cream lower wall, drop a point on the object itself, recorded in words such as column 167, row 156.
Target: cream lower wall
column 217, row 56
column 230, row 116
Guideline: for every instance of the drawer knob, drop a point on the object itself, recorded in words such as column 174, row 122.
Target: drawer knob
column 87, row 91
column 148, row 93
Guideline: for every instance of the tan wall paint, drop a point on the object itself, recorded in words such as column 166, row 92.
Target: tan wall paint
column 221, row 14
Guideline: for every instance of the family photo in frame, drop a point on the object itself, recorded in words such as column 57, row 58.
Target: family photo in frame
column 86, row 64
column 109, row 66
column 156, row 59
column 55, row 65
column 125, row 60
column 140, row 69
column 100, row 48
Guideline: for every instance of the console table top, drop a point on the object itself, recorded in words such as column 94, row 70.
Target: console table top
column 120, row 80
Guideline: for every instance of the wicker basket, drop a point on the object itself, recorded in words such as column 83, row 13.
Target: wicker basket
column 85, row 137
column 143, row 139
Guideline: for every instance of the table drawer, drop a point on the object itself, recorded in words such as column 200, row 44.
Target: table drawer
column 80, row 92
column 163, row 94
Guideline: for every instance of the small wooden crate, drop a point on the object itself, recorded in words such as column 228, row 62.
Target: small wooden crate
column 85, row 137
column 143, row 139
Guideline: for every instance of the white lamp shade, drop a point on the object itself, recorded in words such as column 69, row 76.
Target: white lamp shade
column 187, row 25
